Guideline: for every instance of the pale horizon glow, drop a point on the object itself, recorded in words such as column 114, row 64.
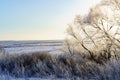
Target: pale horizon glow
column 39, row 19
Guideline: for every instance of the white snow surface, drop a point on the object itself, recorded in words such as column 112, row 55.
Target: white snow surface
column 26, row 47
column 7, row 77
column 22, row 47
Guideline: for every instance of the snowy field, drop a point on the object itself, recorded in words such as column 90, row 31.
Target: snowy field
column 26, row 47
column 22, row 47
column 3, row 77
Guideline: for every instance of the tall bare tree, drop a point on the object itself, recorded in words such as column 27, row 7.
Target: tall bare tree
column 97, row 35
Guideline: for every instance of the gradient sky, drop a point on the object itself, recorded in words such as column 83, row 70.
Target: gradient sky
column 39, row 19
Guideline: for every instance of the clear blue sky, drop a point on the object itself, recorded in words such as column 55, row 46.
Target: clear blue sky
column 38, row 19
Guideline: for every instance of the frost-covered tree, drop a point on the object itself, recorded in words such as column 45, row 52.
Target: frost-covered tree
column 96, row 36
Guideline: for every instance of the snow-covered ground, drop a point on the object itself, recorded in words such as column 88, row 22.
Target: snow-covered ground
column 4, row 77
column 22, row 47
